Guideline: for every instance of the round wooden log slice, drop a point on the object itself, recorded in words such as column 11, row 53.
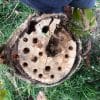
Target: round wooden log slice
column 43, row 51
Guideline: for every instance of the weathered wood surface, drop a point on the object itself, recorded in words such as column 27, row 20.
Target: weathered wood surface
column 60, row 50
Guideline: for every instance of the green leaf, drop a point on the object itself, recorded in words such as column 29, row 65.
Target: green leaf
column 76, row 15
column 93, row 21
column 89, row 14
column 3, row 94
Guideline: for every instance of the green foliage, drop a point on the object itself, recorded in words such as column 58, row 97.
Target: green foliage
column 77, row 15
column 83, row 21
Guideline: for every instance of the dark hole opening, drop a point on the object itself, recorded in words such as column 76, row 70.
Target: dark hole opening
column 34, row 59
column 40, row 53
column 52, row 76
column 40, row 75
column 59, row 68
column 45, row 29
column 25, row 39
column 70, row 48
column 47, row 68
column 25, row 64
column 52, row 47
column 35, row 70
column 26, row 50
column 31, row 26
column 35, row 40
column 66, row 56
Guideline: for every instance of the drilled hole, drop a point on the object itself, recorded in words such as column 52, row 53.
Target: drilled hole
column 47, row 68
column 34, row 59
column 45, row 29
column 35, row 40
column 25, row 39
column 40, row 75
column 26, row 50
column 66, row 56
column 59, row 68
column 70, row 48
column 40, row 53
column 25, row 64
column 52, row 49
column 35, row 70
column 31, row 26
column 52, row 76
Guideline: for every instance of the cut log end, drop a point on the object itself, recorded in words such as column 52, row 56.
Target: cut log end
column 44, row 52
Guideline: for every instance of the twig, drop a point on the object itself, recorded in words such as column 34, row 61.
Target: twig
column 88, row 48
